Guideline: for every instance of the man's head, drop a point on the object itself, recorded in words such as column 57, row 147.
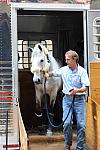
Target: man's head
column 71, row 58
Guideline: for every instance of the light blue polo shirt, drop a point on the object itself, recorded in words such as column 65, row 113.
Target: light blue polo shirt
column 72, row 79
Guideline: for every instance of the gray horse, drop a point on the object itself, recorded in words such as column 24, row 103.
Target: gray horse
column 42, row 62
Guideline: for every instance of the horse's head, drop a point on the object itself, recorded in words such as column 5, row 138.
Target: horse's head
column 40, row 62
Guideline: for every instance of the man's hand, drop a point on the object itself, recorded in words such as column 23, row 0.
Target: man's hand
column 73, row 91
column 46, row 75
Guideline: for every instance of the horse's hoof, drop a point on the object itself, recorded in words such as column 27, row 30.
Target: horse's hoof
column 38, row 115
column 49, row 132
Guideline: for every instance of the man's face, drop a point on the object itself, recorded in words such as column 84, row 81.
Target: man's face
column 70, row 61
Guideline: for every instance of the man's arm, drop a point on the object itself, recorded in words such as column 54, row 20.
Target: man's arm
column 80, row 90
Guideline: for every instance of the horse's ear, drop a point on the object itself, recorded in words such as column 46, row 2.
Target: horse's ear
column 31, row 50
column 40, row 47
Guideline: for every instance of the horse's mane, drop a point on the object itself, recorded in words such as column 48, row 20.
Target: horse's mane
column 54, row 64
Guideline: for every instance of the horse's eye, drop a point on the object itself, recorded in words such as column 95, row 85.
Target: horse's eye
column 41, row 60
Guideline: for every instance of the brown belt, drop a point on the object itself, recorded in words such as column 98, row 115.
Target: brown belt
column 75, row 95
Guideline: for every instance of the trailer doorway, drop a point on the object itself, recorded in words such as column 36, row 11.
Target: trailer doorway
column 64, row 29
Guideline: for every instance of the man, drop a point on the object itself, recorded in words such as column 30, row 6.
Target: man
column 75, row 83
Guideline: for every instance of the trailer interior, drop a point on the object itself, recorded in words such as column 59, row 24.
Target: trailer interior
column 59, row 31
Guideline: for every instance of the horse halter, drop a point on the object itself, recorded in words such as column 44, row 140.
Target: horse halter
column 45, row 52
column 48, row 58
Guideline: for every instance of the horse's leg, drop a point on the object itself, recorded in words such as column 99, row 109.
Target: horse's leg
column 53, row 95
column 39, row 95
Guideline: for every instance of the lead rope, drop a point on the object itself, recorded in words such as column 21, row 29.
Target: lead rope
column 48, row 116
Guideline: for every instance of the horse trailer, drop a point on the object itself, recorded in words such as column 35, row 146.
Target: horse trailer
column 58, row 26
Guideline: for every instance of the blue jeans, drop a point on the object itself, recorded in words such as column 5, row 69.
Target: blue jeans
column 79, row 110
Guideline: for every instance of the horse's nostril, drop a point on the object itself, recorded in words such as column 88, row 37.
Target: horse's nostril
column 38, row 80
